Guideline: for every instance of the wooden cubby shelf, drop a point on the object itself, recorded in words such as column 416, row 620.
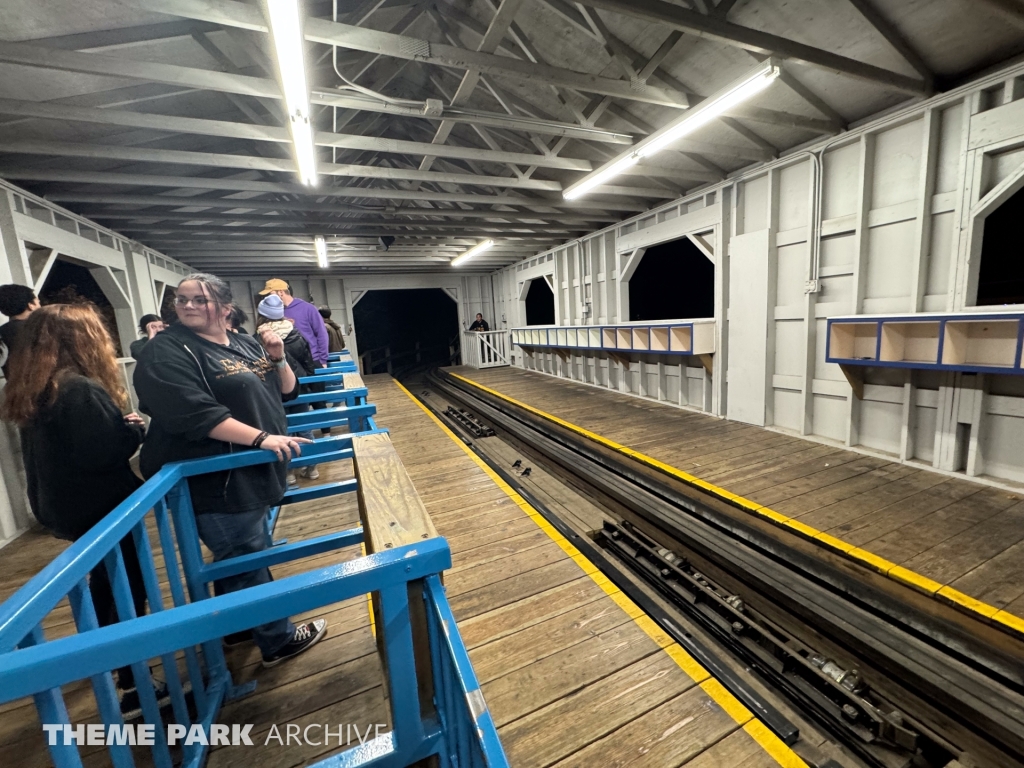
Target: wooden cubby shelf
column 666, row 337
column 962, row 341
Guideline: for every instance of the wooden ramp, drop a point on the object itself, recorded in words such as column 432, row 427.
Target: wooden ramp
column 961, row 540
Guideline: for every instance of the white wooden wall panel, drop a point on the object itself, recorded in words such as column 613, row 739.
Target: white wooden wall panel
column 748, row 327
column 894, row 235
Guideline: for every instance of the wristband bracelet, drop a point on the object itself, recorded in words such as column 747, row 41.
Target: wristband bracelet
column 280, row 363
column 259, row 439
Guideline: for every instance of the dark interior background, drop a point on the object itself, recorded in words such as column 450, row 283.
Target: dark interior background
column 70, row 283
column 674, row 281
column 400, row 319
column 540, row 303
column 1001, row 279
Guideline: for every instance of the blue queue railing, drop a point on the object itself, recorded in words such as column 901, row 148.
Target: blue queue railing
column 460, row 732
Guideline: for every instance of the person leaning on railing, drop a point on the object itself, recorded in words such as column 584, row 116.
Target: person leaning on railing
column 65, row 393
column 210, row 392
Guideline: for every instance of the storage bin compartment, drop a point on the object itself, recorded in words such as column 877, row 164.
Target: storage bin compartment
column 560, row 337
column 854, row 341
column 681, row 339
column 595, row 337
column 910, row 342
column 659, row 339
column 624, row 338
column 641, row 339
column 980, row 342
column 608, row 338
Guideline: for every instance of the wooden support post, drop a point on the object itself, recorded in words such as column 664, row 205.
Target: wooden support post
column 393, row 515
column 708, row 362
column 854, row 375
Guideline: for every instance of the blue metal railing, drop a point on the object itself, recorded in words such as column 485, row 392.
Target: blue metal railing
column 460, row 732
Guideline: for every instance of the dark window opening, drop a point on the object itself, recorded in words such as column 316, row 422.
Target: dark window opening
column 1001, row 276
column 167, row 311
column 400, row 331
column 540, row 303
column 70, row 283
column 673, row 281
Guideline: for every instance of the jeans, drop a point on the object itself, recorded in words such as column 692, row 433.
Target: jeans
column 103, row 597
column 232, row 534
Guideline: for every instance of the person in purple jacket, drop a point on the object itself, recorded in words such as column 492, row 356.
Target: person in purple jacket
column 305, row 316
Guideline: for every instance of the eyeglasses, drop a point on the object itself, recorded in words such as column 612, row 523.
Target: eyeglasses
column 198, row 301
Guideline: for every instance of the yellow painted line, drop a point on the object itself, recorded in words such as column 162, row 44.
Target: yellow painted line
column 896, row 572
column 872, row 560
column 832, row 541
column 771, row 744
column 727, row 701
column 967, row 601
column 923, row 583
column 1010, row 620
column 369, row 599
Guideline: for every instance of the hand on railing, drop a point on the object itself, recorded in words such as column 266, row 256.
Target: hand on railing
column 285, row 446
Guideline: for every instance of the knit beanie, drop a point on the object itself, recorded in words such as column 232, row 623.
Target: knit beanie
column 272, row 307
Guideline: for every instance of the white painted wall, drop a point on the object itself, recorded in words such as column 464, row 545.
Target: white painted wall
column 888, row 218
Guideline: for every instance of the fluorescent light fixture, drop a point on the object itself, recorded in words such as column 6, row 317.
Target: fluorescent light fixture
column 321, row 251
column 478, row 248
column 714, row 106
column 286, row 31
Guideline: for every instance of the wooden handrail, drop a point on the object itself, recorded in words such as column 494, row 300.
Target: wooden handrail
column 393, row 515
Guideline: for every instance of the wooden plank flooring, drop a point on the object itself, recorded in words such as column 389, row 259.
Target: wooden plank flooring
column 952, row 530
column 570, row 677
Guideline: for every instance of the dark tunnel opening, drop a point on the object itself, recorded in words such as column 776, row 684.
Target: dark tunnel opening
column 389, row 324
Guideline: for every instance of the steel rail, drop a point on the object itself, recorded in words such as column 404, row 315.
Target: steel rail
column 965, row 689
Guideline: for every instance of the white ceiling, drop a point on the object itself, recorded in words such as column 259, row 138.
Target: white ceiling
column 119, row 113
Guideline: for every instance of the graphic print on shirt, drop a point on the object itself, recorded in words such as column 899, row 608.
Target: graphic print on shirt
column 233, row 367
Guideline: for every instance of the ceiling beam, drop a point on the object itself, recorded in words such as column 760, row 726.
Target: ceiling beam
column 123, row 36
column 892, row 35
column 247, row 162
column 500, row 22
column 398, row 146
column 458, row 114
column 232, row 13
column 357, row 226
column 578, row 217
column 113, row 66
column 717, row 28
column 242, row 185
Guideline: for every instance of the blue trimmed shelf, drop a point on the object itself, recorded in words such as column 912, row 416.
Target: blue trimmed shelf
column 972, row 342
column 666, row 337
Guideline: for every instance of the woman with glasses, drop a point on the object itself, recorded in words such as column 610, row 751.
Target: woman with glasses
column 211, row 392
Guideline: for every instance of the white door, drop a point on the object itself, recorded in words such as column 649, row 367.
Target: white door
column 748, row 327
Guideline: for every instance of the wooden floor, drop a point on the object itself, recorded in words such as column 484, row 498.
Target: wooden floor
column 957, row 532
column 570, row 678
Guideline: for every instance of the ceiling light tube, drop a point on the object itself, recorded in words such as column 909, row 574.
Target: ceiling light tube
column 692, row 119
column 478, row 248
column 321, row 251
column 286, row 31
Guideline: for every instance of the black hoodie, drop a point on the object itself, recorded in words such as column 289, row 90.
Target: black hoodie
column 76, row 454
column 189, row 385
